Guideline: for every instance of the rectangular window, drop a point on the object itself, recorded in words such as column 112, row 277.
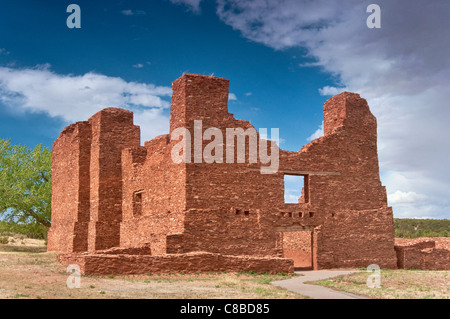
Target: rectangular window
column 296, row 189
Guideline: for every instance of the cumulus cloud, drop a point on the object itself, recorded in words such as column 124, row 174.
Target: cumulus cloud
column 402, row 70
column 193, row 5
column 77, row 97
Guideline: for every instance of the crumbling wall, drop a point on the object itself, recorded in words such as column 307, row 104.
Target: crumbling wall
column 104, row 264
column 423, row 253
column 138, row 196
column 150, row 174
column 70, row 196
column 353, row 224
column 87, row 181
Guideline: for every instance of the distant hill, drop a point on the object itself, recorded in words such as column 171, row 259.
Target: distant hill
column 414, row 228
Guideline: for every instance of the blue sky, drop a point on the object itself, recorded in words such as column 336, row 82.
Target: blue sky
column 284, row 59
column 156, row 44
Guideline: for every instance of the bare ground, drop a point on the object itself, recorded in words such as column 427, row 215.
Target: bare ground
column 28, row 271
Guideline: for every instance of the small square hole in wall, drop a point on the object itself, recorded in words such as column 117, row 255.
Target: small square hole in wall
column 246, row 213
column 311, row 214
column 238, row 211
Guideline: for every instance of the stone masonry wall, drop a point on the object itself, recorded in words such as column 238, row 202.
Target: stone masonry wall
column 152, row 178
column 70, row 196
column 423, row 253
column 139, row 197
column 298, row 246
column 112, row 131
column 103, row 264
column 87, row 181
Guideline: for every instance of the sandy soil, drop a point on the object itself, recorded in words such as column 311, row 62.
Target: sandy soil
column 28, row 271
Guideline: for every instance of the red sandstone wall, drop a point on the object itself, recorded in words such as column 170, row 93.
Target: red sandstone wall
column 225, row 212
column 297, row 245
column 97, row 264
column 423, row 253
column 214, row 193
column 349, row 151
column 87, row 181
column 70, row 196
column 233, row 208
column 356, row 239
column 353, row 224
column 163, row 197
column 112, row 131
column 228, row 231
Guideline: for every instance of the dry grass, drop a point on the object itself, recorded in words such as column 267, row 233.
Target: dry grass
column 396, row 284
column 27, row 271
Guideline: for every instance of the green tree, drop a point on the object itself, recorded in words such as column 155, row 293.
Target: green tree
column 25, row 183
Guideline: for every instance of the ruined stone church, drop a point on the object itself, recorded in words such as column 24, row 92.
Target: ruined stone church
column 119, row 207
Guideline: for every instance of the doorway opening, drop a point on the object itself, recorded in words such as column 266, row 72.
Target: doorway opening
column 297, row 245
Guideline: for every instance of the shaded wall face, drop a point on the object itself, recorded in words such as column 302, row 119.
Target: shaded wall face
column 159, row 184
column 87, row 181
column 70, row 196
column 113, row 131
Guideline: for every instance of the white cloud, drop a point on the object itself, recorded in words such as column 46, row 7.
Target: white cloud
column 248, row 94
column 3, row 51
column 318, row 133
column 232, row 97
column 138, row 66
column 400, row 197
column 330, row 90
column 193, row 5
column 76, row 98
column 402, row 70
column 130, row 12
column 153, row 122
